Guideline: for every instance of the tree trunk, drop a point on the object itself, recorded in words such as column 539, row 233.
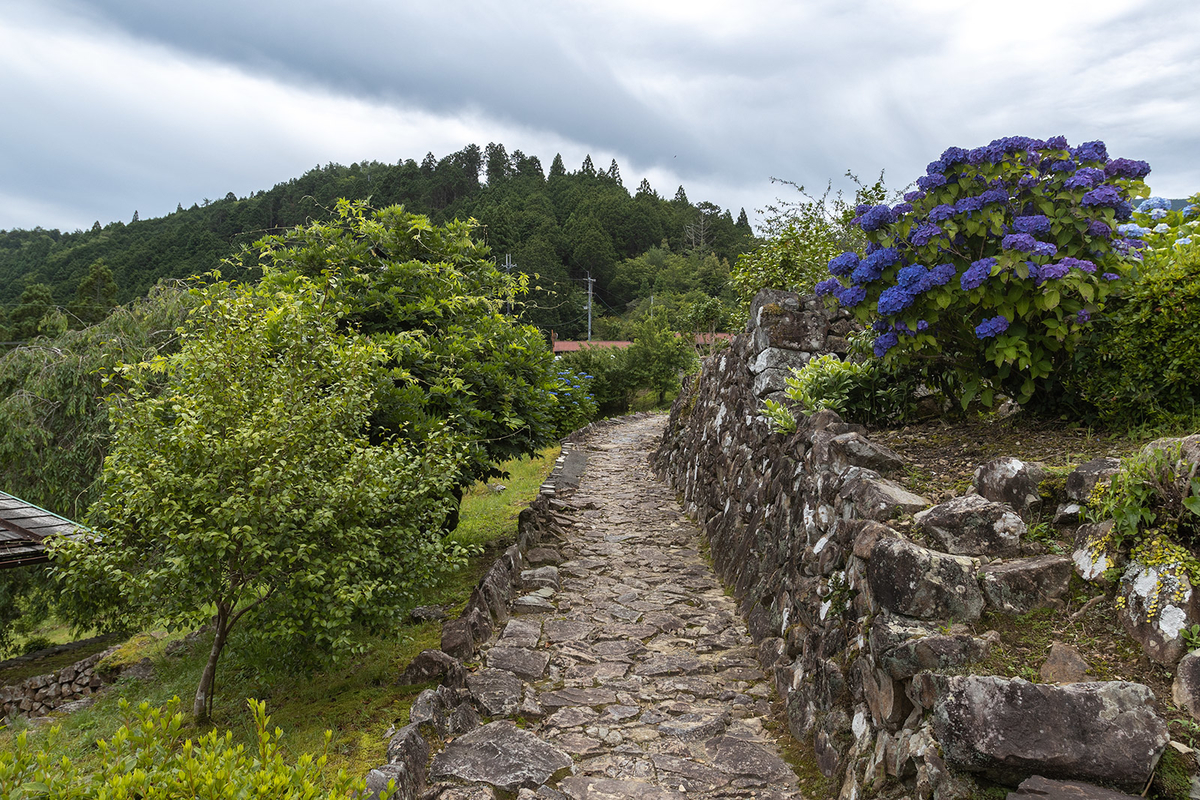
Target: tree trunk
column 203, row 699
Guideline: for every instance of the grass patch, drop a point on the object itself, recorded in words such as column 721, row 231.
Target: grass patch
column 357, row 697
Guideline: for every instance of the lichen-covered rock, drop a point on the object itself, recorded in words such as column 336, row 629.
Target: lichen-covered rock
column 973, row 526
column 1083, row 479
column 1021, row 585
column 1008, row 730
column 877, row 498
column 904, row 647
column 1094, row 552
column 497, row 692
column 1012, row 481
column 1046, row 789
column 915, row 581
column 1185, row 691
column 1158, row 606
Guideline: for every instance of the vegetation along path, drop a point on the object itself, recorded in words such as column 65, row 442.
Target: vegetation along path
column 637, row 667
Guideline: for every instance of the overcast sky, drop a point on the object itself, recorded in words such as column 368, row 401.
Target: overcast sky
column 115, row 105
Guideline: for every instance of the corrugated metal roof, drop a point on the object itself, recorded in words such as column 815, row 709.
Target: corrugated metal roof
column 23, row 529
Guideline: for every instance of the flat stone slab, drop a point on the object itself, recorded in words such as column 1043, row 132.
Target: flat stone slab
column 520, row 633
column 524, row 663
column 502, row 755
column 577, row 697
column 532, row 604
column 658, row 666
column 694, row 727
column 496, row 691
column 578, row 787
column 562, row 630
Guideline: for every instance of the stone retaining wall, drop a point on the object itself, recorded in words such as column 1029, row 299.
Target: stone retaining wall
column 856, row 620
column 41, row 694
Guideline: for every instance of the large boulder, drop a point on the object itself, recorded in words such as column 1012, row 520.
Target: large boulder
column 1083, row 479
column 973, row 526
column 1008, row 730
column 1021, row 585
column 502, row 755
column 875, row 497
column 1159, row 606
column 1012, row 481
column 915, row 581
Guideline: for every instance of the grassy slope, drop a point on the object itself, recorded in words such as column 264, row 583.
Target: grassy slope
column 357, row 699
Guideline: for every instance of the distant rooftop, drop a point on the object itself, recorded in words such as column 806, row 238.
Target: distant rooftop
column 23, row 531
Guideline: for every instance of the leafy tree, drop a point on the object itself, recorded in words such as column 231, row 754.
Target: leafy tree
column 246, row 488
column 658, row 357
column 35, row 304
column 96, row 296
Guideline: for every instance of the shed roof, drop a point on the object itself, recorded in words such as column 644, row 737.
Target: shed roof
column 24, row 528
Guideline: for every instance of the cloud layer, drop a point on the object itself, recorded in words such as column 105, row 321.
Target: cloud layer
column 120, row 105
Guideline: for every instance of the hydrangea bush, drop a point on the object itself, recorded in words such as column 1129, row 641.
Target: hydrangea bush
column 1160, row 227
column 993, row 266
column 574, row 405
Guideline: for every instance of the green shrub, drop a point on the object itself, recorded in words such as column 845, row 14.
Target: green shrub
column 1141, row 363
column 611, row 385
column 150, row 757
column 867, row 392
column 574, row 405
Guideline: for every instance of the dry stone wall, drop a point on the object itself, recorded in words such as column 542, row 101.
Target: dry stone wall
column 41, row 694
column 857, row 623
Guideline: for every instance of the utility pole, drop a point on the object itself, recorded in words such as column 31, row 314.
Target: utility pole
column 508, row 265
column 590, row 282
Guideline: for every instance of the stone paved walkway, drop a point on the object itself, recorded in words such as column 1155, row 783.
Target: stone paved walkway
column 631, row 659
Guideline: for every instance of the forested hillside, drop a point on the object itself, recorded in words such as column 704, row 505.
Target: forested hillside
column 559, row 225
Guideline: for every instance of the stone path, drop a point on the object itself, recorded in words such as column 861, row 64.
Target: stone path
column 629, row 658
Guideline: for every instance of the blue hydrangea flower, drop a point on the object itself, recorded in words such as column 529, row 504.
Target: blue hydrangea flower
column 968, row 204
column 1111, row 276
column 922, row 325
column 1190, row 210
column 1021, row 242
column 849, row 296
column 1099, row 228
column 876, row 217
column 893, row 300
column 1127, row 168
column 1035, row 223
column 1044, row 249
column 826, row 287
column 1152, row 203
column 994, row 195
column 1084, row 178
column 1184, row 240
column 935, row 168
column 1083, row 316
column 879, row 326
column 977, row 274
column 924, row 234
column 872, row 267
column 844, row 264
column 914, row 196
column 991, row 327
column 1133, row 230
column 953, row 155
column 900, row 209
column 1057, row 143
column 1157, row 213
column 941, row 213
column 884, row 342
column 911, row 277
column 927, row 182
column 1162, row 227
column 1091, row 151
column 1065, row 165
column 941, row 275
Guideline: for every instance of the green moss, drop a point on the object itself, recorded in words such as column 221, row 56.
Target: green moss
column 1173, row 776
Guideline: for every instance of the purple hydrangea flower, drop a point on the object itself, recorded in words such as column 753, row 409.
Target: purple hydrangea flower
column 844, row 264
column 872, row 267
column 1053, row 272
column 968, row 204
column 1084, row 178
column 1111, row 276
column 1035, row 274
column 1021, row 242
column 991, row 327
column 1064, row 165
column 879, row 326
column 953, row 155
column 1184, row 240
column 923, row 234
column 1157, row 213
column 911, row 277
column 941, row 213
column 935, row 168
column 900, row 209
column 884, row 342
column 941, row 275
column 1091, row 151
column 876, row 217
column 1028, row 181
column 1127, row 168
column 977, row 274
column 914, row 196
column 862, row 208
column 1057, row 143
column 927, row 182
column 827, row 286
column 1084, row 316
column 1099, row 228
column 1044, row 249
column 922, row 325
column 1080, row 264
column 1035, row 223
column 1104, row 195
column 995, row 195
column 893, row 300
column 849, row 296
